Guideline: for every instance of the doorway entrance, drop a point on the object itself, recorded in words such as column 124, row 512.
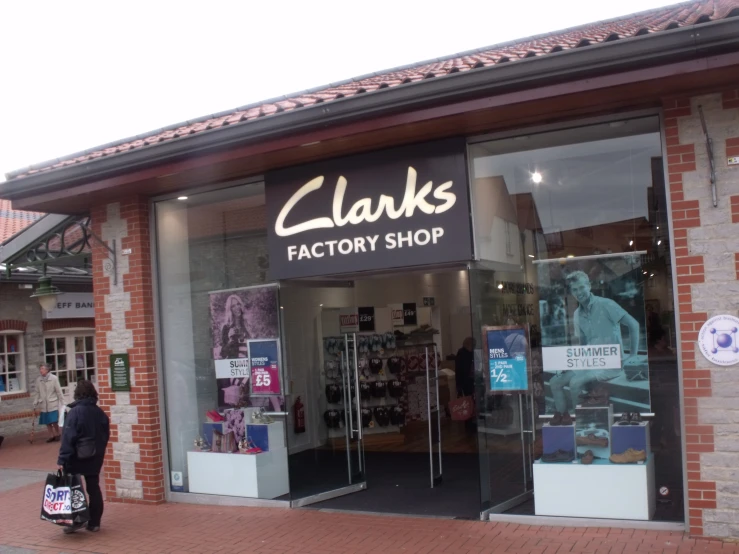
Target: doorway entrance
column 372, row 359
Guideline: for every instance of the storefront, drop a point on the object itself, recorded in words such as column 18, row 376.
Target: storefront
column 309, row 321
column 62, row 337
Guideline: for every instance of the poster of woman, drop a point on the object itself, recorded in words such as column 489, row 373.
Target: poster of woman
column 237, row 316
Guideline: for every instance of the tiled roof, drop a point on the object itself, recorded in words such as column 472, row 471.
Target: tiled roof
column 635, row 25
column 13, row 221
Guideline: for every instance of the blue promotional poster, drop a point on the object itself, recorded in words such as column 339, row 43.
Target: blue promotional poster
column 507, row 350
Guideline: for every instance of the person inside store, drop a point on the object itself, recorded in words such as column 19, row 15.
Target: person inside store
column 464, row 368
column 597, row 320
column 85, row 438
column 47, row 398
column 234, row 332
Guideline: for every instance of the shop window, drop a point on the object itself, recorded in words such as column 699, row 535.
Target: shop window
column 591, row 302
column 71, row 356
column 12, row 363
column 214, row 301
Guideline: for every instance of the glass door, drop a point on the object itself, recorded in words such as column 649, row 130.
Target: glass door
column 325, row 436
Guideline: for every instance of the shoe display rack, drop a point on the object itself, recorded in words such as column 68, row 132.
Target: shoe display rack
column 594, row 468
column 259, row 475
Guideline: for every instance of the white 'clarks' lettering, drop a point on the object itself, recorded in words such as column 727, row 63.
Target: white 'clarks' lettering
column 361, row 210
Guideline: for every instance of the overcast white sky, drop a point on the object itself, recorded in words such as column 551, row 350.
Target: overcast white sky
column 74, row 74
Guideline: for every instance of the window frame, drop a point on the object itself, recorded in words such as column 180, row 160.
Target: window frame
column 21, row 369
column 70, row 336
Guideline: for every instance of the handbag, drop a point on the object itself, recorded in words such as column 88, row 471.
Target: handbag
column 64, row 501
column 462, row 408
column 85, row 448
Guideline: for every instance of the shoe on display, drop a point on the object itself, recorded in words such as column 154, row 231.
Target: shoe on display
column 631, row 456
column 559, row 456
column 556, row 419
column 624, row 419
column 591, row 440
column 566, row 419
column 587, row 458
column 635, row 418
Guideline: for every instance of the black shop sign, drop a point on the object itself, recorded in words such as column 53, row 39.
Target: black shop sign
column 393, row 208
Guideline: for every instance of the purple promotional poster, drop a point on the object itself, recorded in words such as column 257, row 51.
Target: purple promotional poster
column 236, row 317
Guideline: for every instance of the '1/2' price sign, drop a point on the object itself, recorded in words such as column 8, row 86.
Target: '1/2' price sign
column 264, row 358
column 507, row 353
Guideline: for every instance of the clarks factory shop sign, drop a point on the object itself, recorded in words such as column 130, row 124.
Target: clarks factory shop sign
column 393, row 208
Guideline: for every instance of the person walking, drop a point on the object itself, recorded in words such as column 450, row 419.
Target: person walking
column 47, row 398
column 85, row 438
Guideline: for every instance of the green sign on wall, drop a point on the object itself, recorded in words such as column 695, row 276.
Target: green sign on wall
column 120, row 373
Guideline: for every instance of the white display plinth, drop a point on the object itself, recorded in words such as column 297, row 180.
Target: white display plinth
column 261, row 475
column 599, row 490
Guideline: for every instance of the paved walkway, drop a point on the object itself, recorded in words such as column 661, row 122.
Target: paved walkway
column 190, row 528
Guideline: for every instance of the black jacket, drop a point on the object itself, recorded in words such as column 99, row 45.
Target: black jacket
column 84, row 419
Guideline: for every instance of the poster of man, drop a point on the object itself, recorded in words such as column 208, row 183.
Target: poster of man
column 594, row 333
column 237, row 316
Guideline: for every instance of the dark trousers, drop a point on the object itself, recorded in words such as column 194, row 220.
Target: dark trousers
column 92, row 485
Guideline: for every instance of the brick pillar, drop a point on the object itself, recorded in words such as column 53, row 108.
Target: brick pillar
column 124, row 318
column 706, row 242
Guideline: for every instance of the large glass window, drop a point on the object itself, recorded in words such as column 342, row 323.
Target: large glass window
column 214, row 303
column 574, row 268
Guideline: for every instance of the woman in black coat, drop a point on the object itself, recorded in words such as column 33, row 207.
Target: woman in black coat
column 85, row 422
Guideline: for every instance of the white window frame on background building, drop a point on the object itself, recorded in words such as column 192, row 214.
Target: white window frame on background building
column 69, row 336
column 21, row 361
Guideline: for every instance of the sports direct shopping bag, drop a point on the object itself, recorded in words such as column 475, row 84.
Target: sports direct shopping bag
column 64, row 501
column 462, row 409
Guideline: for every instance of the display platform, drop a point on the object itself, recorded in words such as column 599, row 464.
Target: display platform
column 261, row 475
column 599, row 490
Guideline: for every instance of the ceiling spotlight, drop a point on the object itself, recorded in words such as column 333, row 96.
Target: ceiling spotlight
column 500, row 286
column 658, row 227
column 531, row 256
column 182, row 198
column 631, row 243
column 536, row 177
column 659, row 242
column 644, row 272
column 652, row 275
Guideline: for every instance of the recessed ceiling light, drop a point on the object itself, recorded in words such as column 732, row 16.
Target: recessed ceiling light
column 652, row 275
column 658, row 227
column 631, row 243
column 659, row 242
column 570, row 255
column 500, row 286
column 182, row 198
column 536, row 177
column 531, row 256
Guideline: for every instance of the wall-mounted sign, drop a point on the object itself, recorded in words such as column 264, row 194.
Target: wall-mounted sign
column 404, row 314
column 718, row 341
column 429, row 301
column 72, row 304
column 366, row 318
column 120, row 373
column 264, row 356
column 348, row 320
column 734, row 160
column 506, row 348
column 393, row 208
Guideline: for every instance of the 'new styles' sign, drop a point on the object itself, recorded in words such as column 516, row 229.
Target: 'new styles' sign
column 401, row 207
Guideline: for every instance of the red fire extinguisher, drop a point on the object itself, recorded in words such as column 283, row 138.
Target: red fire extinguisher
column 298, row 416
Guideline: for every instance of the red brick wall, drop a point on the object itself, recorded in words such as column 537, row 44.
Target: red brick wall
column 137, row 282
column 686, row 214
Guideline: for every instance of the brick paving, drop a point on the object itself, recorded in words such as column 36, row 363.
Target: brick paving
column 169, row 528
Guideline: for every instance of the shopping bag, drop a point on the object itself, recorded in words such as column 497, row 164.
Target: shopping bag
column 462, row 408
column 62, row 415
column 64, row 501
